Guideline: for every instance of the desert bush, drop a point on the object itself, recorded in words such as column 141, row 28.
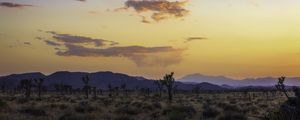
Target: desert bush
column 230, row 115
column 130, row 110
column 22, row 100
column 123, row 117
column 75, row 116
column 84, row 107
column 34, row 111
column 179, row 112
column 3, row 104
column 210, row 112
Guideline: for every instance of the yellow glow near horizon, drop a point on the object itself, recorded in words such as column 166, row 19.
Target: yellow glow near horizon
column 244, row 40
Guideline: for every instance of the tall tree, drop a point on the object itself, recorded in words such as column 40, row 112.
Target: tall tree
column 169, row 82
column 86, row 87
column 39, row 84
column 26, row 84
column 159, row 85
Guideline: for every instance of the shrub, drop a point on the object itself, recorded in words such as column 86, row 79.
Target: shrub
column 179, row 112
column 33, row 111
column 128, row 110
column 230, row 115
column 75, row 116
column 123, row 117
column 210, row 112
column 3, row 104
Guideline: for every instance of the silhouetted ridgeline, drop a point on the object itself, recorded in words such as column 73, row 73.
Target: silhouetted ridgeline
column 103, row 79
column 221, row 80
column 98, row 79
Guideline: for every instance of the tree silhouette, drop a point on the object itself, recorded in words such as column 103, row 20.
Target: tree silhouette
column 86, row 87
column 109, row 90
column 26, row 84
column 169, row 82
column 281, row 87
column 124, row 89
column 159, row 85
column 39, row 83
column 3, row 85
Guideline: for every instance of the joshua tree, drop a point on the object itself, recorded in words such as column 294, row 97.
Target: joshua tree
column 26, row 84
column 3, row 85
column 109, row 90
column 197, row 90
column 124, row 89
column 169, row 82
column 94, row 89
column 116, row 91
column 39, row 83
column 159, row 85
column 86, row 87
column 281, row 87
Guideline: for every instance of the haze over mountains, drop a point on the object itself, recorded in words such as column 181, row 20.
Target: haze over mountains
column 221, row 80
column 103, row 79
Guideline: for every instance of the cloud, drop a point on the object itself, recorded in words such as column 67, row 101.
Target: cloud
column 48, row 42
column 73, row 39
column 70, row 45
column 27, row 43
column 194, row 38
column 145, row 20
column 161, row 9
column 81, row 0
column 14, row 5
column 142, row 56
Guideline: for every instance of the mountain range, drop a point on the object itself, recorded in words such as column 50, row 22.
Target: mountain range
column 97, row 79
column 103, row 79
column 224, row 81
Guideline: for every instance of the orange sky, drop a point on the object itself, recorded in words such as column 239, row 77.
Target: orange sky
column 234, row 38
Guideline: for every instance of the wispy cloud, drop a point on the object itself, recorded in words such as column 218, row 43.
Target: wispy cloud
column 161, row 9
column 142, row 56
column 14, row 5
column 27, row 43
column 73, row 39
column 70, row 45
column 48, row 42
column 81, row 0
column 194, row 39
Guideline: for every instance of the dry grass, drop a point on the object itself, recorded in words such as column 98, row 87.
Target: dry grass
column 186, row 106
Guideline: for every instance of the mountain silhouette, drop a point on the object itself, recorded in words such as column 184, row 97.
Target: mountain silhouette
column 228, row 82
column 97, row 79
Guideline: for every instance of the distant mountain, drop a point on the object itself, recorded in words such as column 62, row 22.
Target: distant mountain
column 221, row 80
column 97, row 79
column 12, row 80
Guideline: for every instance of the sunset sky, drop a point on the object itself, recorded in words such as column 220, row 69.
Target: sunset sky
column 233, row 38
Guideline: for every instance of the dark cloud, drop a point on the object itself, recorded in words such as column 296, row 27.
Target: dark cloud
column 48, row 42
column 14, row 5
column 162, row 9
column 194, row 38
column 142, row 56
column 72, row 39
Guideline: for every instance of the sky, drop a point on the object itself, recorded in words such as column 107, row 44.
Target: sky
column 233, row 38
